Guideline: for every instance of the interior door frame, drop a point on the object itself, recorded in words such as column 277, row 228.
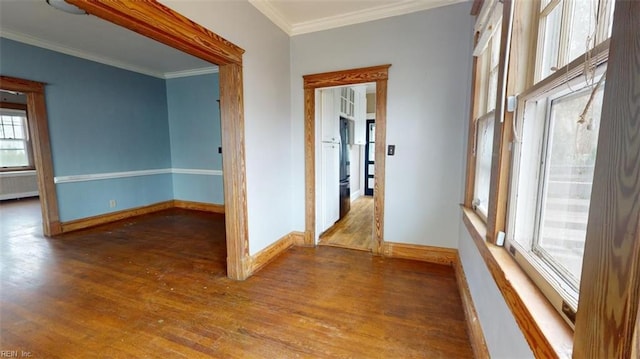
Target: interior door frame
column 160, row 23
column 41, row 148
column 379, row 75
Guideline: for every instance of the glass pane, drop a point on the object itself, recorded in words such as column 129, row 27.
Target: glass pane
column 372, row 154
column 551, row 42
column 17, row 127
column 571, row 156
column 13, row 153
column 483, row 164
column 493, row 90
column 370, row 182
column 583, row 26
column 372, row 169
column 372, row 132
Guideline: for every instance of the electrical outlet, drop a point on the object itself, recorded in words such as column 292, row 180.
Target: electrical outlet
column 112, row 203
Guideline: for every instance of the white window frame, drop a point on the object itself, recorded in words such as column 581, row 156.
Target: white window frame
column 562, row 294
column 488, row 26
column 26, row 140
column 602, row 31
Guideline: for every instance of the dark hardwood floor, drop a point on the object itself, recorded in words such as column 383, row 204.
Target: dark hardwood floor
column 155, row 286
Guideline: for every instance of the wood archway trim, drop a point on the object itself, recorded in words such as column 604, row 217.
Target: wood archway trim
column 379, row 75
column 164, row 25
column 41, row 147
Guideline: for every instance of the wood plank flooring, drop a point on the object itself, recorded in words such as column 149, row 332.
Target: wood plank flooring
column 155, row 286
column 355, row 230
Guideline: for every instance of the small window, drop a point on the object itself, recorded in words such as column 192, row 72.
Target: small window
column 567, row 29
column 15, row 147
column 484, row 149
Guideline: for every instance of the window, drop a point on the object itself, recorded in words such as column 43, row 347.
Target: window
column 567, row 29
column 554, row 150
column 487, row 52
column 15, row 148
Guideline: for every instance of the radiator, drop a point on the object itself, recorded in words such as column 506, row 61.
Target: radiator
column 18, row 184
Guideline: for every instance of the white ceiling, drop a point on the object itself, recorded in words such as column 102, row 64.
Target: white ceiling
column 35, row 22
column 297, row 17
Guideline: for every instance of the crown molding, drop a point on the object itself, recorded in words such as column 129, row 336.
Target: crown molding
column 34, row 41
column 351, row 18
column 194, row 72
column 273, row 14
column 30, row 40
column 375, row 13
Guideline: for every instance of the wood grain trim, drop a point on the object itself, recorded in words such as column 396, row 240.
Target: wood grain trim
column 13, row 105
column 114, row 216
column 379, row 74
column 233, row 167
column 438, row 255
column 154, row 20
column 476, row 6
column 347, row 77
column 501, row 153
column 474, row 329
column 199, row 206
column 380, row 158
column 546, row 332
column 41, row 149
column 610, row 286
column 299, row 239
column 310, row 166
column 262, row 258
column 471, row 137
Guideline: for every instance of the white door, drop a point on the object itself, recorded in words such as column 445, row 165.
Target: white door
column 330, row 184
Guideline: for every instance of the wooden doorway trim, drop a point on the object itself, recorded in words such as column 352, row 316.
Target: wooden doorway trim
column 41, row 147
column 379, row 75
column 164, row 25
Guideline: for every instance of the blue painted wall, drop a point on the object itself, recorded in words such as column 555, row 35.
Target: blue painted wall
column 101, row 119
column 194, row 126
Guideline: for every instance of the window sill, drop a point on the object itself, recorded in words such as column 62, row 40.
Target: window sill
column 14, row 172
column 542, row 326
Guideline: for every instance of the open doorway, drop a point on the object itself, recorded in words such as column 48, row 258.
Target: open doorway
column 312, row 86
column 345, row 207
column 19, row 200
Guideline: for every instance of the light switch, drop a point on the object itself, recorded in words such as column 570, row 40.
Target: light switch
column 391, row 150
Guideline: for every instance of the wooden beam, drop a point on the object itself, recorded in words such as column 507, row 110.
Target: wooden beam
column 233, row 167
column 471, row 137
column 347, row 77
column 154, row 20
column 380, row 166
column 476, row 6
column 310, row 166
column 13, row 105
column 610, row 286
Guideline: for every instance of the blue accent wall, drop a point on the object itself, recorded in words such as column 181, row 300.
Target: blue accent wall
column 101, row 119
column 194, row 126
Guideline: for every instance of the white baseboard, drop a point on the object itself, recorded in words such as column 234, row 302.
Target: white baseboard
column 355, row 195
column 18, row 195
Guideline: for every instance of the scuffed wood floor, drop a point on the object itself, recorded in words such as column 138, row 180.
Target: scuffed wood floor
column 155, row 286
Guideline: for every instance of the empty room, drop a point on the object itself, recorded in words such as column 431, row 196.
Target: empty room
column 320, row 179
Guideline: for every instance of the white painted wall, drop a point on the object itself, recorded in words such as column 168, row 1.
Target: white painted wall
column 501, row 332
column 428, row 94
column 266, row 71
column 355, row 168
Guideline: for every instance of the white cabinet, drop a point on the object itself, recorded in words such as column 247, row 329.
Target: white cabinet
column 330, row 182
column 347, row 102
column 360, row 115
column 330, row 120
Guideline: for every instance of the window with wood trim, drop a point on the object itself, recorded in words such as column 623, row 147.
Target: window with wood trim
column 567, row 29
column 15, row 146
column 487, row 52
column 554, row 150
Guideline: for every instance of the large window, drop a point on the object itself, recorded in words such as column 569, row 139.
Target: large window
column 15, row 149
column 554, row 149
column 487, row 53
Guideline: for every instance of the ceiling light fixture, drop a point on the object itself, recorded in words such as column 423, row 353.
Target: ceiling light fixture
column 66, row 7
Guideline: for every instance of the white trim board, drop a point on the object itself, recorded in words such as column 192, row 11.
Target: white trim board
column 17, row 173
column 34, row 41
column 18, row 195
column 129, row 174
column 351, row 18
